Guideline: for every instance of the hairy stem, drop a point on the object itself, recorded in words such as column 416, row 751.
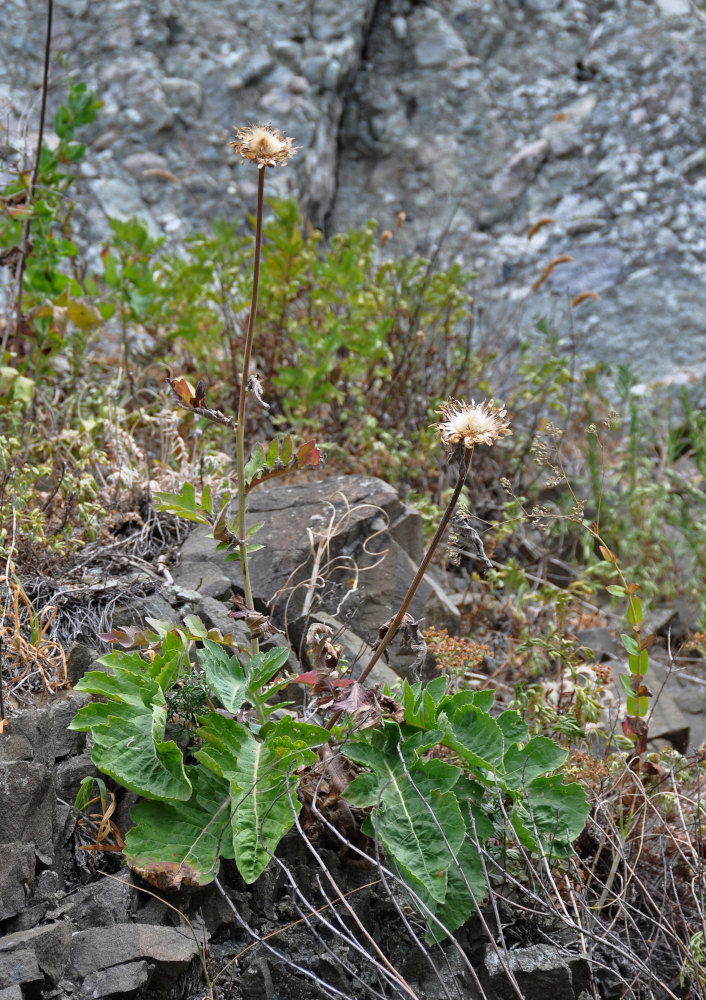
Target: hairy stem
column 418, row 576
column 240, row 433
column 24, row 242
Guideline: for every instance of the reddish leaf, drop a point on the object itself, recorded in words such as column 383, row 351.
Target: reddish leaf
column 308, row 678
column 181, row 388
column 133, row 635
column 312, row 680
column 358, row 697
column 168, row 874
column 309, row 454
column 200, row 394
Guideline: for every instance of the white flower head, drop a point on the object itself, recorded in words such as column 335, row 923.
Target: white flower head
column 263, row 144
column 465, row 425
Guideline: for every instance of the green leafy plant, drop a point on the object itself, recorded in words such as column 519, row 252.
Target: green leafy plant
column 437, row 787
column 236, row 794
column 47, row 256
column 239, row 798
column 451, row 779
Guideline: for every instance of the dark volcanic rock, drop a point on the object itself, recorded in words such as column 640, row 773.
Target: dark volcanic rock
column 27, row 800
column 169, row 949
column 16, row 878
column 352, row 535
column 49, row 946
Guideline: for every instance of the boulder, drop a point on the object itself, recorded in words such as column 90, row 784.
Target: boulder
column 27, row 801
column 120, row 980
column 12, row 993
column 16, row 878
column 69, row 773
column 64, row 741
column 28, row 737
column 101, row 904
column 540, row 971
column 19, row 968
column 169, row 949
column 346, row 546
column 48, row 947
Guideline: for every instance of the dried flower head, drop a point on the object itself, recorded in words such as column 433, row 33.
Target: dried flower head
column 263, row 144
column 465, row 425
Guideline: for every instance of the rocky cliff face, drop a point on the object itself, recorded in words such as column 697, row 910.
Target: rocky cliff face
column 476, row 120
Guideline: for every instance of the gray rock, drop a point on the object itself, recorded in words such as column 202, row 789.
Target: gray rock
column 11, row 993
column 16, row 878
column 101, row 904
column 428, row 120
column 69, row 773
column 137, row 163
column 594, row 268
column 435, row 41
column 119, row 980
column 66, row 742
column 79, row 660
column 182, row 94
column 171, row 950
column 601, row 642
column 540, row 971
column 678, row 709
column 27, row 800
column 19, row 967
column 28, row 737
column 351, row 520
column 513, row 179
column 121, row 200
column 675, row 8
column 49, row 945
column 206, row 579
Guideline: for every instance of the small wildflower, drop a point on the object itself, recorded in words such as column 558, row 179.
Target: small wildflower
column 479, row 423
column 263, row 144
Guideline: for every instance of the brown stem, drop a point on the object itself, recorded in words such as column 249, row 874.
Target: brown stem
column 24, row 242
column 418, row 576
column 240, row 432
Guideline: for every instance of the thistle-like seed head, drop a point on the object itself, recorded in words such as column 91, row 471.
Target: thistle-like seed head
column 263, row 144
column 465, row 425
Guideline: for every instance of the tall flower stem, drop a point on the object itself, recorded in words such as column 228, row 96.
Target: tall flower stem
column 24, row 241
column 240, row 432
column 419, row 575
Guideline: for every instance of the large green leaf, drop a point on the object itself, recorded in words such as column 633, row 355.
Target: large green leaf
column 262, row 782
column 128, row 730
column 412, row 813
column 419, row 705
column 465, row 890
column 128, row 746
column 234, row 684
column 513, row 727
column 262, row 667
column 224, row 675
column 183, row 840
column 475, row 736
column 539, row 756
column 556, row 811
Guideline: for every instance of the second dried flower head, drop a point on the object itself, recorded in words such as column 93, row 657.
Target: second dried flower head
column 263, row 145
column 464, row 425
